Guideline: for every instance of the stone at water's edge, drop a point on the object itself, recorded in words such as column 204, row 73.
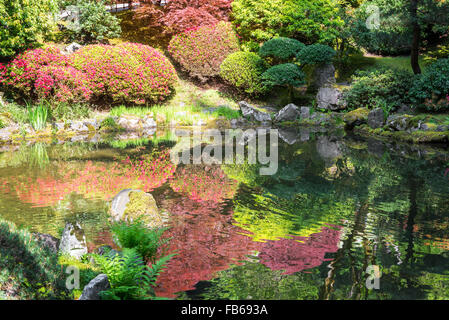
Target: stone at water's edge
column 289, row 113
column 73, row 241
column 253, row 114
column 92, row 290
column 376, row 118
column 130, row 204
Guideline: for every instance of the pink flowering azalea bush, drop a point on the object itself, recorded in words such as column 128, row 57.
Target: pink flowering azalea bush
column 44, row 73
column 126, row 73
column 201, row 50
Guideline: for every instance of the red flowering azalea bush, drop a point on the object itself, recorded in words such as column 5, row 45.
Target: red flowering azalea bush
column 126, row 73
column 201, row 51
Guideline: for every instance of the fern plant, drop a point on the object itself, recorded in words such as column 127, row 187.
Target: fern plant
column 129, row 277
column 136, row 235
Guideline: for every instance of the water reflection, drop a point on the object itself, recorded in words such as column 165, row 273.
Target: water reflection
column 336, row 206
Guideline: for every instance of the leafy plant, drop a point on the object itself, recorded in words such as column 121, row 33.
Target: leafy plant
column 316, row 54
column 244, row 71
column 38, row 115
column 202, row 50
column 25, row 24
column 136, row 235
column 95, row 23
column 281, row 49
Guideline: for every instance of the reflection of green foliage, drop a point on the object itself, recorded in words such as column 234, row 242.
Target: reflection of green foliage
column 256, row 281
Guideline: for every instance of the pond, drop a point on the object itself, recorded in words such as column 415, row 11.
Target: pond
column 340, row 216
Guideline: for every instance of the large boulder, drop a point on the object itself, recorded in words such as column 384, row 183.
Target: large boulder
column 73, row 241
column 92, row 290
column 289, row 113
column 356, row 117
column 130, row 204
column 252, row 114
column 330, row 98
column 323, row 76
column 376, row 118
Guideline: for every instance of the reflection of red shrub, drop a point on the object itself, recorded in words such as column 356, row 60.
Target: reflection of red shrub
column 204, row 183
column 206, row 242
column 293, row 256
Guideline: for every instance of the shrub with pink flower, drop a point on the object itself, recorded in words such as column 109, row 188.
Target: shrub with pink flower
column 126, row 73
column 200, row 51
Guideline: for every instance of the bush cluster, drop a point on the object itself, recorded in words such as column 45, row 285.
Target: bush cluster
column 201, row 51
column 431, row 89
column 126, row 73
column 378, row 87
column 244, row 71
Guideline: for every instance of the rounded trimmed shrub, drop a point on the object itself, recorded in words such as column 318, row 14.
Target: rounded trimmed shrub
column 244, row 71
column 201, row 51
column 281, row 49
column 316, row 54
column 126, row 73
column 431, row 89
column 287, row 74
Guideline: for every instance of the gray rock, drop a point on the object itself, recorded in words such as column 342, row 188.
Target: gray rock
column 253, row 114
column 289, row 113
column 71, row 48
column 288, row 135
column 376, row 118
column 47, row 240
column 78, row 126
column 305, row 112
column 92, row 290
column 324, row 76
column 330, row 98
column 73, row 241
column 398, row 122
column 130, row 204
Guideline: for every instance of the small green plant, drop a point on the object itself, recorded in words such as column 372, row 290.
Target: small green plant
column 38, row 115
column 135, row 235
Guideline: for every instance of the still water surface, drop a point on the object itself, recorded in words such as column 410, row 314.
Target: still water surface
column 336, row 206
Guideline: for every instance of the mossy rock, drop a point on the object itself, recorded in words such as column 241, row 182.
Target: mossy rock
column 129, row 205
column 356, row 117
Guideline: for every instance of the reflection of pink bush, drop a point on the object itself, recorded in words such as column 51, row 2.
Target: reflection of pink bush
column 293, row 256
column 93, row 180
column 204, row 183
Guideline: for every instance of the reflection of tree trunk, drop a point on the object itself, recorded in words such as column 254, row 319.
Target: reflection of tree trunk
column 328, row 287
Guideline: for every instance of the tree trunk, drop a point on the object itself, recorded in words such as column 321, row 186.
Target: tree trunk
column 416, row 37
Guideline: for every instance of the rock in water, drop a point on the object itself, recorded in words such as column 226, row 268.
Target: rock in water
column 73, row 241
column 92, row 290
column 289, row 113
column 130, row 204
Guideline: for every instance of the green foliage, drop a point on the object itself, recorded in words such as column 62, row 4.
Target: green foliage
column 431, row 89
column 316, row 54
column 95, row 23
column 378, row 87
column 281, row 49
column 287, row 74
column 244, row 71
column 137, row 236
column 24, row 24
column 38, row 115
column 309, row 21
